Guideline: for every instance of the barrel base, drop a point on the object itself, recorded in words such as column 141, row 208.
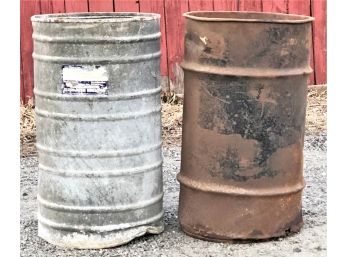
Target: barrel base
column 81, row 240
column 233, row 217
column 238, row 238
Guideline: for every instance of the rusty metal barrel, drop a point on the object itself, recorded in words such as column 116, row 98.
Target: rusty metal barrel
column 245, row 87
column 97, row 93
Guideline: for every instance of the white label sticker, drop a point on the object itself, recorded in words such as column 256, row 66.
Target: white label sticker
column 84, row 80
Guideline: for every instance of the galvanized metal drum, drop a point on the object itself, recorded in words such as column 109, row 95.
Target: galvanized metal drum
column 97, row 92
column 244, row 115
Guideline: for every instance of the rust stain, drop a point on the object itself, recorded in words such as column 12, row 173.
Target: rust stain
column 244, row 111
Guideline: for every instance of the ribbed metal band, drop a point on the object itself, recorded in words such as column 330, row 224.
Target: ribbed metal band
column 96, row 39
column 101, row 173
column 94, row 60
column 95, row 117
column 232, row 190
column 106, row 228
column 245, row 72
column 98, row 154
column 99, row 209
column 124, row 96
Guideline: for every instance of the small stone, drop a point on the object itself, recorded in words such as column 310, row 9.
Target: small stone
column 318, row 248
column 297, row 250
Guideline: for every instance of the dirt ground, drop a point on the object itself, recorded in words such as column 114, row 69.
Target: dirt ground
column 310, row 241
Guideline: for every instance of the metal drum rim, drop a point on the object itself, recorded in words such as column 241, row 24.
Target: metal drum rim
column 100, row 209
column 109, row 98
column 96, row 60
column 97, row 154
column 101, row 173
column 95, row 17
column 96, row 117
column 96, row 39
column 211, row 187
column 99, row 228
column 244, row 71
column 288, row 18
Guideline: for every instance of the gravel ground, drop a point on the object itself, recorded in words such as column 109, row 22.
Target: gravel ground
column 310, row 241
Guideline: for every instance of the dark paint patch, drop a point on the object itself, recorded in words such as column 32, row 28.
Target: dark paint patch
column 229, row 168
column 228, row 108
column 278, row 48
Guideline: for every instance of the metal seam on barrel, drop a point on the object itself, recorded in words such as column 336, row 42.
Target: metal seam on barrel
column 93, row 40
column 103, row 173
column 106, row 228
column 99, row 154
column 229, row 190
column 91, row 60
column 125, row 96
column 95, row 117
column 99, row 209
column 246, row 72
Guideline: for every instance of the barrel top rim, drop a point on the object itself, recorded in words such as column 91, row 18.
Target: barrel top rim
column 95, row 17
column 245, row 16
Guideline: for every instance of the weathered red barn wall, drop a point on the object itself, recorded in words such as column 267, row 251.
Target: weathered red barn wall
column 172, row 28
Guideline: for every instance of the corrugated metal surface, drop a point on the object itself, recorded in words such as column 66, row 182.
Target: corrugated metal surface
column 172, row 28
column 97, row 91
